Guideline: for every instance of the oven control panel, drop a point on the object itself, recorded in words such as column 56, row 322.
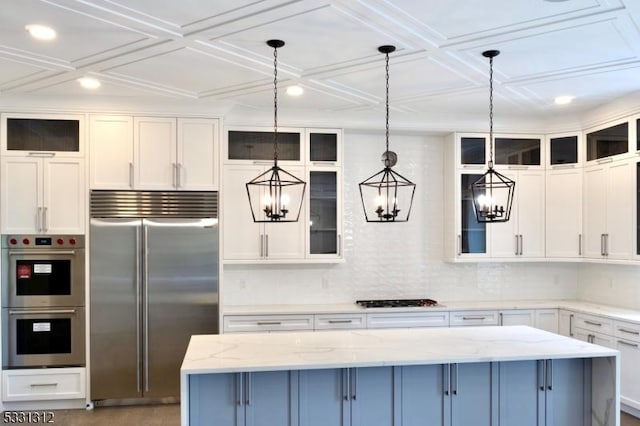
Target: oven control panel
column 42, row 242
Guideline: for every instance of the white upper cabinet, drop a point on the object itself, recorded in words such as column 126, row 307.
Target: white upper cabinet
column 42, row 195
column 608, row 142
column 42, row 134
column 563, row 205
column 608, row 212
column 111, row 152
column 153, row 153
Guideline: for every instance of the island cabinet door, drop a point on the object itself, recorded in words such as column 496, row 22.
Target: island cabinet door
column 474, row 398
column 270, row 398
column 324, row 398
column 423, row 395
column 568, row 393
column 521, row 393
column 372, row 402
column 216, row 399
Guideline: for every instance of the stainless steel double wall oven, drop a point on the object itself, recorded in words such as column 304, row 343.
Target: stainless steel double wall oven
column 43, row 298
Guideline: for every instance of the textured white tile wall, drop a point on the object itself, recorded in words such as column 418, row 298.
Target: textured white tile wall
column 617, row 285
column 395, row 259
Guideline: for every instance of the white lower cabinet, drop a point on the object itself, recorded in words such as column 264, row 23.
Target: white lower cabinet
column 347, row 396
column 251, row 323
column 544, row 393
column 628, row 343
column 243, row 399
column 469, row 318
column 408, row 319
column 547, row 319
column 517, row 317
column 45, row 384
column 339, row 321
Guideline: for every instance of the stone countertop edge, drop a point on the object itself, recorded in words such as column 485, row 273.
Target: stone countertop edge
column 246, row 352
column 618, row 313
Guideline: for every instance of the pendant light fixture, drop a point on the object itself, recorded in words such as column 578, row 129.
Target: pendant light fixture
column 493, row 192
column 275, row 195
column 387, row 196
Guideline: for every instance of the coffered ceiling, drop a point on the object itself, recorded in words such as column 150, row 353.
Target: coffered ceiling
column 214, row 52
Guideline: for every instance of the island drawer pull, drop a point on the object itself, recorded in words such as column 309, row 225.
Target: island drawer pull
column 637, row 333
column 473, row 318
column 633, row 345
column 269, row 323
column 348, row 321
column 597, row 324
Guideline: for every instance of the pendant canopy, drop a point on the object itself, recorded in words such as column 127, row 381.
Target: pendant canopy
column 387, row 196
column 275, row 195
column 493, row 192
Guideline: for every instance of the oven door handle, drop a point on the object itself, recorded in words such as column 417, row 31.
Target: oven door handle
column 41, row 252
column 43, row 311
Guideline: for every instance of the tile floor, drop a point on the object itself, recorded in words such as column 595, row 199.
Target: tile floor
column 160, row 415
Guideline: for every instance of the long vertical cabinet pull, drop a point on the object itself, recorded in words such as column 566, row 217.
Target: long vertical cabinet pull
column 131, row 175
column 339, row 244
column 501, row 322
column 248, row 390
column 346, row 377
column 521, row 244
column 266, row 245
column 602, row 244
column 45, row 226
column 459, row 244
column 517, row 245
column 239, row 393
column 550, row 374
column 39, row 220
column 446, row 378
column 571, row 325
column 354, row 391
column 454, row 380
column 178, row 175
column 606, row 244
column 138, row 311
column 145, row 285
column 579, row 244
column 542, row 374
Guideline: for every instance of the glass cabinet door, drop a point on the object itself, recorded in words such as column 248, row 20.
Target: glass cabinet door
column 473, row 235
column 473, row 150
column 323, row 147
column 563, row 150
column 323, row 212
column 606, row 142
column 517, row 151
column 257, row 145
column 46, row 133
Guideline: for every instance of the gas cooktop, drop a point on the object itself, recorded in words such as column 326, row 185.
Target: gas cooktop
column 397, row 303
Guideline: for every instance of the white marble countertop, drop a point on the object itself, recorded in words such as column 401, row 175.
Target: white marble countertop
column 245, row 352
column 345, row 308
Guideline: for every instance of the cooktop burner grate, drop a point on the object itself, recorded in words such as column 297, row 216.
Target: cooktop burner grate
column 396, row 303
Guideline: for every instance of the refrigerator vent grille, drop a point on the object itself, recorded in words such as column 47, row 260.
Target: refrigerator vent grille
column 165, row 204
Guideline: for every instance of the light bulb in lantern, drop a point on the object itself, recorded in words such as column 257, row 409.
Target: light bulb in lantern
column 284, row 200
column 484, row 201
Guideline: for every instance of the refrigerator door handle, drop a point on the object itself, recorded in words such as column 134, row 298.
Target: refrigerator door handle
column 145, row 298
column 138, row 311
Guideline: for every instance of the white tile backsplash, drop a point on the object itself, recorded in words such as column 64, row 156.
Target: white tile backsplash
column 396, row 259
column 617, row 285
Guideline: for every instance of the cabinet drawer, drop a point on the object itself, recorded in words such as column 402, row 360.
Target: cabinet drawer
column 408, row 319
column 339, row 321
column 593, row 323
column 466, row 318
column 248, row 323
column 36, row 385
column 627, row 331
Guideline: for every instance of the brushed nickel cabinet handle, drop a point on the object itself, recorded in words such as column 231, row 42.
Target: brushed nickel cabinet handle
column 633, row 345
column 459, row 244
column 579, row 244
column 637, row 333
column 269, row 323
column 597, row 324
column 340, row 321
column 473, row 318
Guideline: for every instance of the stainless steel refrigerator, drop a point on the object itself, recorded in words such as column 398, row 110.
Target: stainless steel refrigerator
column 153, row 284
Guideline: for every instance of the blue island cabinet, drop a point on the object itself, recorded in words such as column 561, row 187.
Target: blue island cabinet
column 545, row 392
column 346, row 397
column 244, row 399
column 447, row 395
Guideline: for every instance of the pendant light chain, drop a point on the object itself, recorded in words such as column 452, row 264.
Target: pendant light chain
column 275, row 105
column 491, row 112
column 387, row 101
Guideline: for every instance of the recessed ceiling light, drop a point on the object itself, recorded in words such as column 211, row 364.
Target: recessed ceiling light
column 89, row 83
column 295, row 90
column 563, row 100
column 41, row 32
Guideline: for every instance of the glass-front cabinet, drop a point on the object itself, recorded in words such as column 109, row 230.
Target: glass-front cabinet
column 607, row 142
column 473, row 235
column 313, row 155
column 42, row 135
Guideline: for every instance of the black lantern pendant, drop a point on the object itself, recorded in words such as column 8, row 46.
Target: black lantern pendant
column 493, row 192
column 387, row 196
column 276, row 195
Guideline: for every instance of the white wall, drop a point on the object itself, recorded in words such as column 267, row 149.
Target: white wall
column 610, row 284
column 395, row 259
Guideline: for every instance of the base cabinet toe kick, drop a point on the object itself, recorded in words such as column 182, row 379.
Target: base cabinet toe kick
column 578, row 388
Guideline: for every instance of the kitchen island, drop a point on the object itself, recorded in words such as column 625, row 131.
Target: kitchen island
column 423, row 376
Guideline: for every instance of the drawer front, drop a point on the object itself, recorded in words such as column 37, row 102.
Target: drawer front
column 408, row 319
column 627, row 331
column 252, row 323
column 339, row 321
column 466, row 318
column 594, row 337
column 34, row 385
column 593, row 323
